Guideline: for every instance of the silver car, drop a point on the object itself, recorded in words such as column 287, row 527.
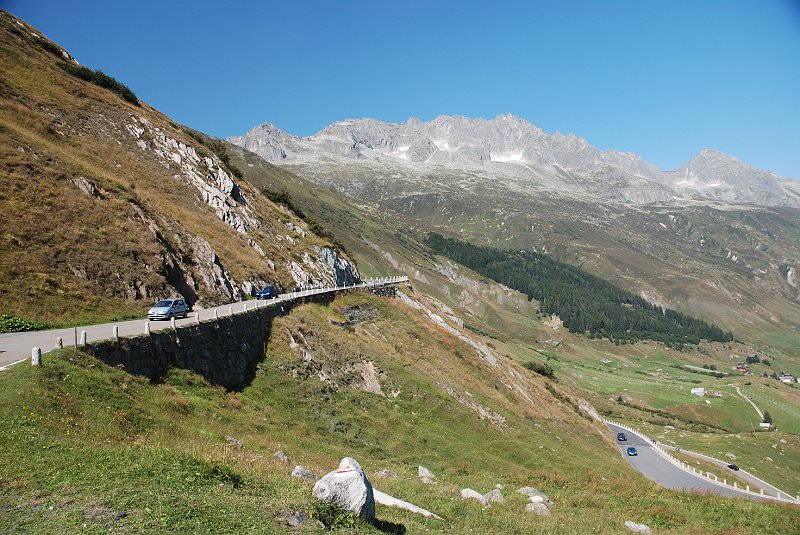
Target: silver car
column 168, row 309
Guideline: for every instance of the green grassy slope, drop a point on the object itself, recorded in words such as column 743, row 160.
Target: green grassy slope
column 646, row 374
column 83, row 442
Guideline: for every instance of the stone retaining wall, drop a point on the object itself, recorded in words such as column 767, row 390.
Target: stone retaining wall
column 224, row 351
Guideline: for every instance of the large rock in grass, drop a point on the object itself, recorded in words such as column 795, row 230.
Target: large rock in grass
column 535, row 495
column 538, row 508
column 348, row 488
column 470, row 494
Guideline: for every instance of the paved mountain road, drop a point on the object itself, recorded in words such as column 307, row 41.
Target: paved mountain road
column 15, row 347
column 656, row 467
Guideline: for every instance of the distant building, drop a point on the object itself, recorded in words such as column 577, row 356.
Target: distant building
column 764, row 425
column 699, row 391
column 717, row 394
column 786, row 378
column 742, row 367
column 752, row 359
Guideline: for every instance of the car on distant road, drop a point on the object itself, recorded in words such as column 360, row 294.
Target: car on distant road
column 621, row 437
column 632, row 452
column 168, row 309
column 733, row 467
column 267, row 292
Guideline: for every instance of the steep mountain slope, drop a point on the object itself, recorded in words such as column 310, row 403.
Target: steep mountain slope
column 106, row 204
column 730, row 263
column 396, row 392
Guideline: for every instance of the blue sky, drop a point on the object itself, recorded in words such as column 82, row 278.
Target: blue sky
column 662, row 79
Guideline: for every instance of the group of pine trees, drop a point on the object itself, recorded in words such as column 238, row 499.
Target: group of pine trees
column 585, row 303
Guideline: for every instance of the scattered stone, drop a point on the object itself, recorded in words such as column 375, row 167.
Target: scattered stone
column 282, row 456
column 425, row 475
column 120, row 515
column 296, row 519
column 469, row 494
column 538, row 508
column 385, row 474
column 494, row 496
column 233, row 441
column 637, row 528
column 390, row 501
column 349, row 489
column 499, row 486
column 534, row 495
column 302, row 473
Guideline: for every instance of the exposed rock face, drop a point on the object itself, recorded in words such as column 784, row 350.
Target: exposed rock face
column 349, row 489
column 484, row 412
column 510, row 149
column 586, row 408
column 326, row 267
column 282, row 456
column 215, row 186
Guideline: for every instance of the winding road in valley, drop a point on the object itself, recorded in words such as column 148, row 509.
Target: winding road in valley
column 656, row 467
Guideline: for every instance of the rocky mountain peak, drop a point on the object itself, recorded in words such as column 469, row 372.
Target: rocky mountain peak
column 509, row 148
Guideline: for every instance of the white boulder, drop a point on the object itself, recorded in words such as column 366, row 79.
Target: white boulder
column 469, row 494
column 425, row 475
column 637, row 528
column 348, row 488
column 538, row 508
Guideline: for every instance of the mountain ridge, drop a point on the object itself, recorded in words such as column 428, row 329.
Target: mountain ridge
column 511, row 147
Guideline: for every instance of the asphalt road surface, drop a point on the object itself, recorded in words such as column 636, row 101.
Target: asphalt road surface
column 17, row 346
column 656, row 467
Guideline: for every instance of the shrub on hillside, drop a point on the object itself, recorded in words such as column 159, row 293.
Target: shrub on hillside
column 99, row 78
column 541, row 368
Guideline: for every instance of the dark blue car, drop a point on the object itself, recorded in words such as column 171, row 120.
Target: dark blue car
column 632, row 452
column 267, row 292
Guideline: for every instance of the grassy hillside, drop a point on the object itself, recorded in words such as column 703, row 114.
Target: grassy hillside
column 107, row 205
column 83, row 443
column 648, row 376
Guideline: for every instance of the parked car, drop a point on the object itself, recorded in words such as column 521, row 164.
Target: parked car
column 733, row 467
column 621, row 437
column 168, row 309
column 267, row 292
column 632, row 452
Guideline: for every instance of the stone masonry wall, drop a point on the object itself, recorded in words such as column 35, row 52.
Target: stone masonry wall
column 225, row 351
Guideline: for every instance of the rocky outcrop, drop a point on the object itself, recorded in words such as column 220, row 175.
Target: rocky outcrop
column 324, row 267
column 206, row 173
column 348, row 488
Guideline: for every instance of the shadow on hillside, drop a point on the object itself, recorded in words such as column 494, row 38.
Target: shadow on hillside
column 390, row 527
